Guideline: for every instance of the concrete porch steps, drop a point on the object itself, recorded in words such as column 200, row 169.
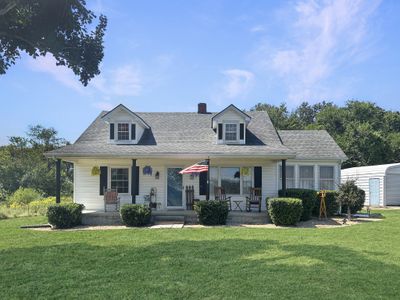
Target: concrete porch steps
column 169, row 219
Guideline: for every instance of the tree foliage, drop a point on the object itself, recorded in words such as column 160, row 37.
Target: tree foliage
column 22, row 163
column 350, row 197
column 367, row 133
column 60, row 27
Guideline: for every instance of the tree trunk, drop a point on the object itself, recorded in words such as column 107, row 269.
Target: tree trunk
column 348, row 213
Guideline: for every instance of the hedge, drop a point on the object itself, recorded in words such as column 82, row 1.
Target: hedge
column 65, row 215
column 332, row 206
column 285, row 211
column 135, row 215
column 308, row 198
column 212, row 212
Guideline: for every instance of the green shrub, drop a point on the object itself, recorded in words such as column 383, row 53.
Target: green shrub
column 65, row 215
column 332, row 206
column 350, row 194
column 24, row 196
column 212, row 212
column 3, row 216
column 134, row 215
column 285, row 211
column 41, row 206
column 308, row 198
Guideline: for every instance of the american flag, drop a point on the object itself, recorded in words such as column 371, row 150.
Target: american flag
column 199, row 167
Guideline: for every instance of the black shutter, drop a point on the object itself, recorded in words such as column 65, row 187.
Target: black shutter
column 133, row 132
column 103, row 179
column 220, row 131
column 241, row 131
column 258, row 177
column 203, row 183
column 111, row 131
column 137, row 181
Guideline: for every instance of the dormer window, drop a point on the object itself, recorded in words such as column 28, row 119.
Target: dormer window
column 123, row 131
column 231, row 132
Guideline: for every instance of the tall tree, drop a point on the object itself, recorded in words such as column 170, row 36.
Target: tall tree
column 59, row 27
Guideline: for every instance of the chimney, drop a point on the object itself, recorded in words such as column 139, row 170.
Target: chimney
column 202, row 108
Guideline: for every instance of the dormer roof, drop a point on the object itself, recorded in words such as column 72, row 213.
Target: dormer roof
column 232, row 107
column 108, row 116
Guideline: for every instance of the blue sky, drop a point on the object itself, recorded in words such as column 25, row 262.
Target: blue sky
column 170, row 55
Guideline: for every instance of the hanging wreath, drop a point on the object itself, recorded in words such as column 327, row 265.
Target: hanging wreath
column 95, row 171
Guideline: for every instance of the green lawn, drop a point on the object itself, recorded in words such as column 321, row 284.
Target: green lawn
column 358, row 262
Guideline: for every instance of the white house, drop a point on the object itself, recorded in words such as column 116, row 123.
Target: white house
column 381, row 183
column 142, row 153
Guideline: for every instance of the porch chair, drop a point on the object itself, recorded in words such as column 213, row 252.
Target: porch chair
column 111, row 198
column 219, row 194
column 190, row 201
column 254, row 198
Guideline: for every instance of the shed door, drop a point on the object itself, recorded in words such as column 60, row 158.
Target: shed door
column 374, row 191
column 393, row 189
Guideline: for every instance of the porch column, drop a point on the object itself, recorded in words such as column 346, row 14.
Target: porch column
column 58, row 180
column 134, row 180
column 208, row 180
column 284, row 177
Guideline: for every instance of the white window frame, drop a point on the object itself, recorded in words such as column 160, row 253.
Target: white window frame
column 241, row 178
column 280, row 176
column 332, row 180
column 129, row 177
column 237, row 124
column 129, row 131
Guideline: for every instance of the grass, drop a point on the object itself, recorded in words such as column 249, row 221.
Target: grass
column 357, row 262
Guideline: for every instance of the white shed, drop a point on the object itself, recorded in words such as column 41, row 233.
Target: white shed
column 381, row 183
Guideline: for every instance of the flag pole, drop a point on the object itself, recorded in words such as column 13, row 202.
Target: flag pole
column 208, row 179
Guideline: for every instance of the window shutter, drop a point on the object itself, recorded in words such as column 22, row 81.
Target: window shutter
column 103, row 179
column 258, row 177
column 111, row 131
column 220, row 131
column 133, row 132
column 242, row 131
column 137, row 181
column 203, row 183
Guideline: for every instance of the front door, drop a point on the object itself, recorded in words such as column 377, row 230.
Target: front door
column 374, row 191
column 174, row 188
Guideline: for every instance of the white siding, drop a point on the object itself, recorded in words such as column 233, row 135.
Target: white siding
column 388, row 191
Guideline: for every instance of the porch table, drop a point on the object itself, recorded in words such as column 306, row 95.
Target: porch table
column 237, row 204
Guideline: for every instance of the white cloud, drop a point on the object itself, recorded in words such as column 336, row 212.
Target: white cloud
column 47, row 64
column 257, row 28
column 102, row 105
column 238, row 82
column 325, row 36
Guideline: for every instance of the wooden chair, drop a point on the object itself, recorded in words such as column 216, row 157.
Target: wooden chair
column 254, row 198
column 219, row 194
column 189, row 192
column 111, row 198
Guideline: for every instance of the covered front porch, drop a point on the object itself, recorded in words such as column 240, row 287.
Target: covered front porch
column 157, row 182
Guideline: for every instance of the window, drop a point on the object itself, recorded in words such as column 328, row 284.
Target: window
column 120, row 180
column 290, row 179
column 123, row 131
column 213, row 179
column 230, row 132
column 247, row 182
column 306, row 180
column 230, row 180
column 326, row 178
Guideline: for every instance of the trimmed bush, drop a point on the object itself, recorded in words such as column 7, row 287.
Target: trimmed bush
column 308, row 198
column 65, row 215
column 285, row 211
column 350, row 194
column 23, row 196
column 212, row 212
column 135, row 215
column 332, row 206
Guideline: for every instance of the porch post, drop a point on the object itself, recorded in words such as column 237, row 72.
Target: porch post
column 133, row 181
column 58, row 180
column 208, row 180
column 284, row 177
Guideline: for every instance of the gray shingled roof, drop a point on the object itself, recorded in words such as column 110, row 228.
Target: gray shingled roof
column 312, row 144
column 191, row 134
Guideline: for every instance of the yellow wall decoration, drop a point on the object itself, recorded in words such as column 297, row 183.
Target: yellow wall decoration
column 245, row 171
column 95, row 171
